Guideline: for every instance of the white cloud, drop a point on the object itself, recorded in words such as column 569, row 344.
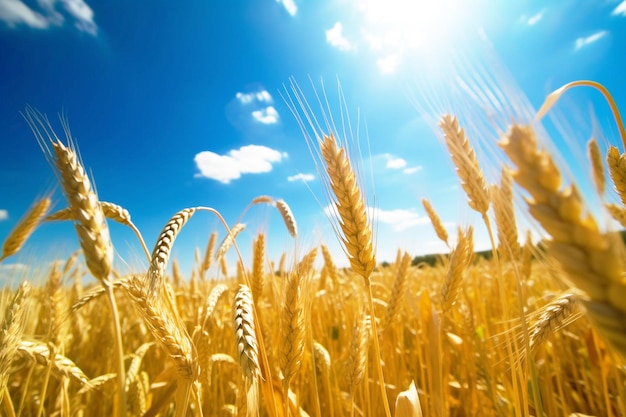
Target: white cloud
column 395, row 163
column 398, row 219
column 388, row 64
column 301, row 177
column 267, row 116
column 620, row 9
column 412, row 170
column 334, row 36
column 16, row 12
column 584, row 41
column 290, row 6
column 258, row 104
column 4, row 214
column 83, row 15
column 250, row 159
column 261, row 96
column 530, row 21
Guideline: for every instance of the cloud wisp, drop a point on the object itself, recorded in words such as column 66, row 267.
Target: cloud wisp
column 255, row 105
column 290, row 6
column 587, row 40
column 250, row 159
column 48, row 14
column 4, row 214
column 398, row 163
column 620, row 10
column 301, row 177
column 398, row 219
column 336, row 39
column 532, row 20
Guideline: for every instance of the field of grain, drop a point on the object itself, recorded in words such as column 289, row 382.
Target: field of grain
column 532, row 330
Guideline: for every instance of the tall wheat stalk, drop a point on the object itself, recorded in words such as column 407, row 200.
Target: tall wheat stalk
column 357, row 234
column 89, row 220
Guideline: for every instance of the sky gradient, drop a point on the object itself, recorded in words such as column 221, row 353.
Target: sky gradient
column 181, row 104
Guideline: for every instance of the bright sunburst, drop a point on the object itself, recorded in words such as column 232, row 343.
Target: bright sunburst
column 398, row 29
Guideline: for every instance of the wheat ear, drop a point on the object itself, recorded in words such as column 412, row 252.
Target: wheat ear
column 11, row 332
column 161, row 252
column 591, row 259
column 167, row 331
column 228, row 240
column 459, row 260
column 258, row 258
column 24, row 228
column 441, row 231
column 62, row 366
column 617, row 212
column 330, row 267
column 553, row 317
column 90, row 223
column 502, row 198
column 597, row 168
column 398, row 291
column 617, row 171
column 208, row 253
column 357, row 235
column 357, row 355
column 245, row 333
column 466, row 163
column 288, row 218
column 293, row 328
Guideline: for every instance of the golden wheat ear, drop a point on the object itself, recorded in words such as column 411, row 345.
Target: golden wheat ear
column 89, row 219
column 350, row 206
column 24, row 228
column 592, row 260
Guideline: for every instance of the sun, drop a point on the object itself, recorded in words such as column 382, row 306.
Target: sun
column 397, row 29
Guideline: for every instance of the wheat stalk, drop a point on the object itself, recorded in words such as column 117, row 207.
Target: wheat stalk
column 24, row 228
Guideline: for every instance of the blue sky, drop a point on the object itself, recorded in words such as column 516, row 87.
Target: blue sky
column 178, row 104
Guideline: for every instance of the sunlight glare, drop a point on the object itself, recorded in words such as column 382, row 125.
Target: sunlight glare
column 399, row 27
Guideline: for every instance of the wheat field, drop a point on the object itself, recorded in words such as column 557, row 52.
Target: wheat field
column 529, row 330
